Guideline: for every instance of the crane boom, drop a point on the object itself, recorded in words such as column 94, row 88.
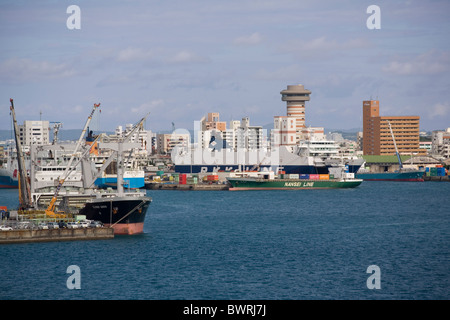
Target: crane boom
column 25, row 189
column 50, row 211
column 126, row 139
column 395, row 145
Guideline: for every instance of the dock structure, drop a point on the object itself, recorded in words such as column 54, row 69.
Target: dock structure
column 52, row 235
column 192, row 187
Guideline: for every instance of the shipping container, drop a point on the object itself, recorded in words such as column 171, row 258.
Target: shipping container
column 304, row 176
column 182, row 179
column 293, row 176
column 324, row 176
column 281, row 175
column 314, row 176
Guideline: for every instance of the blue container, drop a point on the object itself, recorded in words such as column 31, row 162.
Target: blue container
column 304, row 176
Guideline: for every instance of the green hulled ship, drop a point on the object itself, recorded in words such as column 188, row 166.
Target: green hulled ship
column 276, row 183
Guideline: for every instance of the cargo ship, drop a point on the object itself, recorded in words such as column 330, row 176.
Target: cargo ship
column 412, row 175
column 309, row 157
column 400, row 175
column 124, row 213
column 63, row 188
column 268, row 181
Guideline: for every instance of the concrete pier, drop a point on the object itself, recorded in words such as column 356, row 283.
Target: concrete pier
column 434, row 178
column 192, row 187
column 22, row 236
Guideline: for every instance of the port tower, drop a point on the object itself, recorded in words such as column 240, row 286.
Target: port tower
column 295, row 97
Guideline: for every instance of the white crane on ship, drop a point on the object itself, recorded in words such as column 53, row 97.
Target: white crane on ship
column 50, row 211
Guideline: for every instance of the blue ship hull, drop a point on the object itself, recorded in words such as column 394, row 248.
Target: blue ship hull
column 131, row 183
column 8, row 183
column 392, row 176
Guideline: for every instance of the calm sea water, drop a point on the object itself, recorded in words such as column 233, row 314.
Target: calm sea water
column 310, row 244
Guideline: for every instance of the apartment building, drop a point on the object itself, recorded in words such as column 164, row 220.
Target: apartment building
column 377, row 137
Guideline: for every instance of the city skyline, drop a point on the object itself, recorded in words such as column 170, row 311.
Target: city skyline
column 180, row 60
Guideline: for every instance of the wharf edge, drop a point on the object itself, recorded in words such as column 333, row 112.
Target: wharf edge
column 25, row 236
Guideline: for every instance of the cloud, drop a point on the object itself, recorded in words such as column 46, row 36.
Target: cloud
column 133, row 54
column 429, row 63
column 186, row 56
column 322, row 46
column 253, row 39
column 439, row 110
column 17, row 70
column 153, row 105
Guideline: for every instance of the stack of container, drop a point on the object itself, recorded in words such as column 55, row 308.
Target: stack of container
column 438, row 171
column 159, row 173
column 192, row 179
column 183, row 178
column 212, row 178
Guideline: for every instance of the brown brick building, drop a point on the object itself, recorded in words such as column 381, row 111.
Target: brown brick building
column 377, row 138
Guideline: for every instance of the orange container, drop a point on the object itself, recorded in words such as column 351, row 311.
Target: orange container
column 324, row 176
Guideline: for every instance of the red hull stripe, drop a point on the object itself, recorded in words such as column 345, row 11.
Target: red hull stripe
column 418, row 179
column 282, row 188
column 127, row 228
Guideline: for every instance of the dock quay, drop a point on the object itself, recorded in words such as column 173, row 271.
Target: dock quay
column 436, row 178
column 187, row 187
column 52, row 235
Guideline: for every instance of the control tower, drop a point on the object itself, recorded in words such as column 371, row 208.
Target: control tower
column 295, row 97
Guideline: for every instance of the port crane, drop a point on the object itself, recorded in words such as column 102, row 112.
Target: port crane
column 24, row 183
column 395, row 145
column 50, row 211
column 118, row 148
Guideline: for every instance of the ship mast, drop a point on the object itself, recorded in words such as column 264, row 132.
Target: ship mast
column 24, row 183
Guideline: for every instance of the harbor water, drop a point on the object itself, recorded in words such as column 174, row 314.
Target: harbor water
column 275, row 245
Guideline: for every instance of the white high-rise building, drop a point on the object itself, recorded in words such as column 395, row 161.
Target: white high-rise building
column 441, row 143
column 241, row 135
column 34, row 132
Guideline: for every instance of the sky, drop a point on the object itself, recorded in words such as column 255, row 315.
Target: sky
column 178, row 60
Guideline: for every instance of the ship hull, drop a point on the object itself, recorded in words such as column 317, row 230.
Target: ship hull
column 392, row 176
column 126, row 215
column 288, row 169
column 289, row 184
column 8, row 180
column 131, row 183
